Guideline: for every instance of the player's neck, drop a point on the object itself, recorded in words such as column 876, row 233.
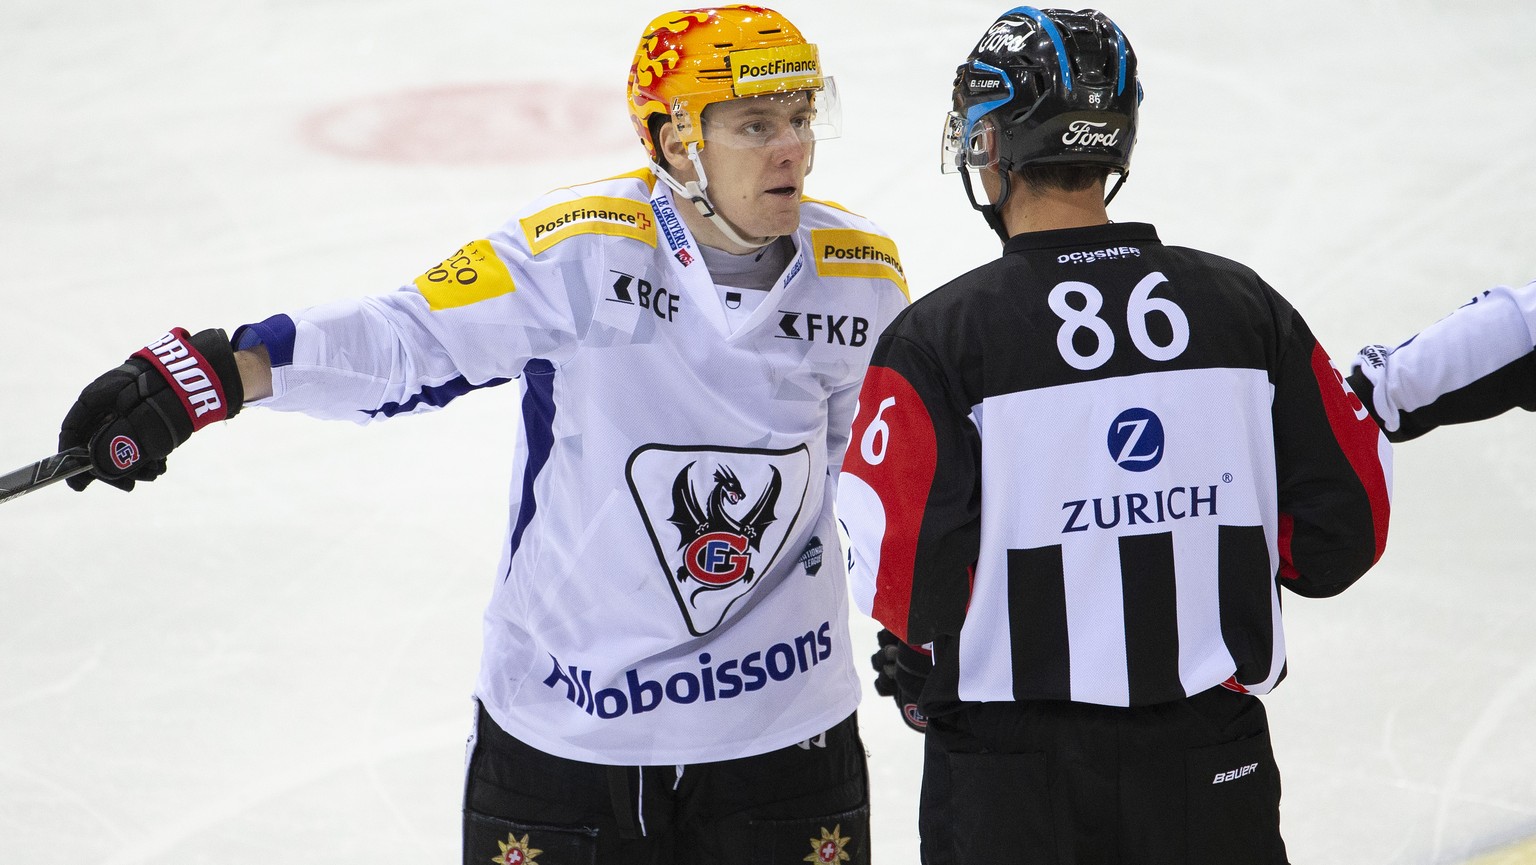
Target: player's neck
column 1027, row 210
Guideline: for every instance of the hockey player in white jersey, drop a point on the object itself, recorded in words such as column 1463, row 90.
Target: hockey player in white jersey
column 666, row 673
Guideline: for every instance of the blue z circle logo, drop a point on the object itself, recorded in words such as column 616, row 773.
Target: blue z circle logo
column 1136, row 440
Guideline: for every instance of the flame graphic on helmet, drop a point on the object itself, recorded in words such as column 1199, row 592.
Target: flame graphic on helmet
column 661, row 50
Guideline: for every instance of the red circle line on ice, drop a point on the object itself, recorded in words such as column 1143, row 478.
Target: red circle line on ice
column 473, row 124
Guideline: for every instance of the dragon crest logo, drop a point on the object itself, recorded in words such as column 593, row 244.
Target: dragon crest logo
column 718, row 518
column 715, row 543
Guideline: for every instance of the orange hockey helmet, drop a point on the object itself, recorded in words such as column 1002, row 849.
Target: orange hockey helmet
column 693, row 58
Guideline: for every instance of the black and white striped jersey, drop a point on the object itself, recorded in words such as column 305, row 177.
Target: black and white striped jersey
column 1473, row 364
column 1083, row 470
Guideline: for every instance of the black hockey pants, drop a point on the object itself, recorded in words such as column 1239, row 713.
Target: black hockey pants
column 1192, row 782
column 804, row 803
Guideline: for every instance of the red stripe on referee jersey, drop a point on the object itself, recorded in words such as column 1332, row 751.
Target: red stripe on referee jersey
column 893, row 450
column 1358, row 437
column 1287, row 531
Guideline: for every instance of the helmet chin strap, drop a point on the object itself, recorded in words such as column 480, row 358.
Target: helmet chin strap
column 990, row 212
column 693, row 190
column 1119, row 181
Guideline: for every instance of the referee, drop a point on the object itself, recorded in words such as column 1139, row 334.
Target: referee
column 1079, row 477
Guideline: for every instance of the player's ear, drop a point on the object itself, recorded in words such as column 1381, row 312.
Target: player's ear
column 674, row 153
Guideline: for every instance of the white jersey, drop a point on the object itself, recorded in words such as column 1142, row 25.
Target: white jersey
column 671, row 589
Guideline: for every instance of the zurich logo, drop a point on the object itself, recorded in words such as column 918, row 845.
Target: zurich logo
column 1136, row 440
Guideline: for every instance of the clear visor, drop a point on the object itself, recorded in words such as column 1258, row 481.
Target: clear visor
column 962, row 148
column 765, row 120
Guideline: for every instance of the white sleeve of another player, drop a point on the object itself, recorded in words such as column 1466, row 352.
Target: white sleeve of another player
column 1492, row 331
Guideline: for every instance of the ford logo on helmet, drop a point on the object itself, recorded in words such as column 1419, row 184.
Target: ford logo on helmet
column 1091, row 133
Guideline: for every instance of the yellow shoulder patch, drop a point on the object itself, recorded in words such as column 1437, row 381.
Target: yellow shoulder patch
column 472, row 274
column 831, row 204
column 615, row 217
column 642, row 174
column 850, row 252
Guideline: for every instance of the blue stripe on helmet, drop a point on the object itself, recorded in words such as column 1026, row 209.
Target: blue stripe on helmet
column 1049, row 27
column 980, row 109
column 1120, row 47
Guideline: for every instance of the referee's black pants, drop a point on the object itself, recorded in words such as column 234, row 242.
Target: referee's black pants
column 804, row 803
column 1058, row 783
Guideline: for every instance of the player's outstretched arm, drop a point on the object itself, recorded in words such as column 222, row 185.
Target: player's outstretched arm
column 130, row 418
column 1473, row 364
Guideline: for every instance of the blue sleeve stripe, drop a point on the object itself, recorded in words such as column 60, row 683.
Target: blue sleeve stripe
column 539, row 432
column 433, row 395
column 276, row 333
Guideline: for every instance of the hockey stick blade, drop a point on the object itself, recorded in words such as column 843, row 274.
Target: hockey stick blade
column 43, row 472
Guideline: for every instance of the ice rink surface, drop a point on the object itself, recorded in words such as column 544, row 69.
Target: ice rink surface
column 266, row 656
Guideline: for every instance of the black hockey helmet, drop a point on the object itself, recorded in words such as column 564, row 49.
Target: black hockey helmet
column 1044, row 87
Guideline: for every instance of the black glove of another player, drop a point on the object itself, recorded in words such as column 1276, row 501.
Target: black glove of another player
column 131, row 418
column 900, row 672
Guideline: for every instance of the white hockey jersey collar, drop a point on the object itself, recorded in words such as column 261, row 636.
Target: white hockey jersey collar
column 687, row 262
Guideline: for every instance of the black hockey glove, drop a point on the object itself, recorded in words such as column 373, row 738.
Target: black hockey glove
column 131, row 418
column 900, row 672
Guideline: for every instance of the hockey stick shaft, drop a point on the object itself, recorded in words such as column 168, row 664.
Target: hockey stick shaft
column 40, row 474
